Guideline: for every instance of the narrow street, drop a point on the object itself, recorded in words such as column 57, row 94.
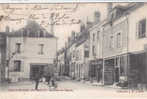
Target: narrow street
column 79, row 85
column 63, row 85
column 68, row 89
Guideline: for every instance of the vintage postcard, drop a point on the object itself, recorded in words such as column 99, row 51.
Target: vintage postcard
column 73, row 50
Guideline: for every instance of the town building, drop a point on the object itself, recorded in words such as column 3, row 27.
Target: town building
column 2, row 56
column 61, row 62
column 95, row 50
column 77, row 47
column 96, row 56
column 82, row 56
column 71, row 54
column 124, row 51
column 30, row 50
column 113, row 50
column 137, row 41
column 115, row 45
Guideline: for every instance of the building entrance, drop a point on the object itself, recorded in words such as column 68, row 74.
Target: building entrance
column 35, row 69
column 117, row 74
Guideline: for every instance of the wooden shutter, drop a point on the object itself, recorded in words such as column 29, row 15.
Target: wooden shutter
column 137, row 30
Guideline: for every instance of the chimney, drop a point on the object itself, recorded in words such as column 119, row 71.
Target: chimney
column 88, row 23
column 109, row 9
column 52, row 23
column 97, row 17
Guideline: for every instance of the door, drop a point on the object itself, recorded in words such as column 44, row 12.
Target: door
column 117, row 74
column 35, row 69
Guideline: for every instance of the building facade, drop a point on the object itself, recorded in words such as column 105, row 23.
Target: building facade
column 124, row 51
column 61, row 62
column 30, row 52
column 2, row 56
column 96, row 56
column 137, row 42
column 82, row 56
column 115, row 46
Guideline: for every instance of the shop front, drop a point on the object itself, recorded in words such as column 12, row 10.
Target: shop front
column 115, row 69
column 95, row 70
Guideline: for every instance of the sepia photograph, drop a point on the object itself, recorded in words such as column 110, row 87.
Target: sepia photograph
column 70, row 48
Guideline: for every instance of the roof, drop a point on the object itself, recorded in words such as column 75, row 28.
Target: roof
column 32, row 29
column 82, row 38
column 61, row 51
column 124, row 10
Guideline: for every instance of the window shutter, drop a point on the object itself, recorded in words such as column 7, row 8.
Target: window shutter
column 22, row 66
column 137, row 32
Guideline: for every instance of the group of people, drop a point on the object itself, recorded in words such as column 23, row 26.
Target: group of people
column 50, row 79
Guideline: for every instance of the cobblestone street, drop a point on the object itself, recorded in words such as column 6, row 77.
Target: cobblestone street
column 69, row 88
column 63, row 85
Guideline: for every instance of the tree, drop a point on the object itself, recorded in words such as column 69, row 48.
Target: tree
column 8, row 64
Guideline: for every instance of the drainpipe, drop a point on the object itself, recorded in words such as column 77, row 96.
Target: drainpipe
column 103, row 57
column 127, row 49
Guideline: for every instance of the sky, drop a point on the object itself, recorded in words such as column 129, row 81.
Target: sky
column 16, row 16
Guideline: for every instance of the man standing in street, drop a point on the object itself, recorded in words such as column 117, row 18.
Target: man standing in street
column 37, row 79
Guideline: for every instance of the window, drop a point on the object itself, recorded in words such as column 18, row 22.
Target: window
column 142, row 28
column 93, row 37
column 111, row 42
column 41, row 46
column 17, row 66
column 118, row 40
column 98, row 33
column 93, row 51
column 86, row 53
column 18, row 46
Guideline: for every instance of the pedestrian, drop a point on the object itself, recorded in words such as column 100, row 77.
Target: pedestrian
column 37, row 80
column 48, row 77
column 53, row 82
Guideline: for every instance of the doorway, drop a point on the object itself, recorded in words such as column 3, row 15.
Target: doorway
column 35, row 69
column 116, row 74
